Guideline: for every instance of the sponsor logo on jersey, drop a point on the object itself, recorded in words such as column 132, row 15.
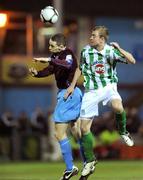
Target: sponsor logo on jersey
column 97, row 62
column 99, row 68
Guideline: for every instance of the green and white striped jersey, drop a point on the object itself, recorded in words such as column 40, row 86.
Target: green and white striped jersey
column 99, row 68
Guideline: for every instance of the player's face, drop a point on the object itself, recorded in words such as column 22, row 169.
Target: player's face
column 95, row 39
column 53, row 47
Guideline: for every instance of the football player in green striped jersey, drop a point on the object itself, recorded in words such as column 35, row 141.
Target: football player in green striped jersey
column 98, row 67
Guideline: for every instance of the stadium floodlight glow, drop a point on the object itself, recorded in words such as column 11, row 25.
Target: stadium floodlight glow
column 3, row 19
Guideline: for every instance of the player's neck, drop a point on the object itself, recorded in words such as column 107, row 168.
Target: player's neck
column 100, row 47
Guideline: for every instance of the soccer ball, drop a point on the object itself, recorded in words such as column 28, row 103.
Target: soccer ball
column 49, row 15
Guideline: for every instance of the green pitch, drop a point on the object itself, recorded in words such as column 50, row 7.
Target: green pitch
column 109, row 170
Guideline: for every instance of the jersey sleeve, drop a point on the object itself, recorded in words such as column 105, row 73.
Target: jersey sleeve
column 46, row 71
column 66, row 61
column 118, row 57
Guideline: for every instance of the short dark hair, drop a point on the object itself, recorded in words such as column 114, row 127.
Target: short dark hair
column 59, row 38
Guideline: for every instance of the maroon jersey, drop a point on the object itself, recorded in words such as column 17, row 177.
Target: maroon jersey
column 63, row 65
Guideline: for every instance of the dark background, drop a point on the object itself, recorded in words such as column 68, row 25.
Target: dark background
column 125, row 8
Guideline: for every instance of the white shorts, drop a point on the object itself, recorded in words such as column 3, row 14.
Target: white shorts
column 92, row 98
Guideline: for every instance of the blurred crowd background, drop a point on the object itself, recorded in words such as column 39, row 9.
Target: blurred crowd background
column 26, row 104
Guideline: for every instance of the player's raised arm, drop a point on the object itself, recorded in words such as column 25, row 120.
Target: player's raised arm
column 129, row 57
column 70, row 89
column 42, row 59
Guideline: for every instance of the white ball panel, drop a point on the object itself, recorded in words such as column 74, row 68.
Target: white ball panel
column 54, row 19
column 47, row 14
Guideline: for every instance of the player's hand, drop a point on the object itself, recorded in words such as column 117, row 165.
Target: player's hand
column 68, row 92
column 42, row 59
column 115, row 44
column 33, row 71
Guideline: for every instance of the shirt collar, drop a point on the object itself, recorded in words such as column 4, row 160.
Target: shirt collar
column 102, row 52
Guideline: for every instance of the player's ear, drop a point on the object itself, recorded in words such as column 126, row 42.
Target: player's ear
column 103, row 38
column 62, row 46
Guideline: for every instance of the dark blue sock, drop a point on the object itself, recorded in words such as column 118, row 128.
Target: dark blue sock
column 67, row 153
column 82, row 151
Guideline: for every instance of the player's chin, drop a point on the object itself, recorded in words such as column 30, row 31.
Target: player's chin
column 92, row 44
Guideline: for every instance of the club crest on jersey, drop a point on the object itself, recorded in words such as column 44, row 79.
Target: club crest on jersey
column 99, row 68
column 69, row 59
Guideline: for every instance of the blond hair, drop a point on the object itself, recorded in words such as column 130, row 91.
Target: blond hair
column 103, row 31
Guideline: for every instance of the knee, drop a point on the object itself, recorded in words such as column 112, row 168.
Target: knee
column 59, row 136
column 56, row 136
column 76, row 132
column 117, row 107
column 84, row 129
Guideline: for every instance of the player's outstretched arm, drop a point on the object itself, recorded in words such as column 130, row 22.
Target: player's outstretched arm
column 42, row 59
column 129, row 57
column 70, row 89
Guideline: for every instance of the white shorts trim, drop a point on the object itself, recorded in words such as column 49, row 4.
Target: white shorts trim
column 86, row 119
